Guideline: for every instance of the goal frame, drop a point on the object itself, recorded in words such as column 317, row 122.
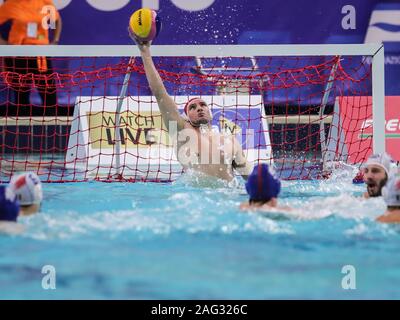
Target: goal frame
column 375, row 51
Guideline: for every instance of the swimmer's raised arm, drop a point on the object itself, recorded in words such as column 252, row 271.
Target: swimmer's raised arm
column 167, row 105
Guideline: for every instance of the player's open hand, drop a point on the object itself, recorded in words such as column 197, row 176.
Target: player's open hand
column 140, row 43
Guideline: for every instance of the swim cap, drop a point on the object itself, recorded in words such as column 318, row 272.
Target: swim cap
column 185, row 109
column 391, row 192
column 27, row 188
column 382, row 160
column 359, row 178
column 9, row 207
column 262, row 185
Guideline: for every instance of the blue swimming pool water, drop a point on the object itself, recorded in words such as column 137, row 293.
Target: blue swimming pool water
column 184, row 241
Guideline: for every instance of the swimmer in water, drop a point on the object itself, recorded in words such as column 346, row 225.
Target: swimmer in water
column 376, row 172
column 391, row 194
column 263, row 188
column 28, row 190
column 199, row 148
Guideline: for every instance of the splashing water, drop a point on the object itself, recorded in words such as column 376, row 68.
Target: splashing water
column 189, row 240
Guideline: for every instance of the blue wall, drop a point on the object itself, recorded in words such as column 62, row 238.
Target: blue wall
column 225, row 21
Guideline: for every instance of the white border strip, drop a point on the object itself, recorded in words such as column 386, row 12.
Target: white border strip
column 193, row 50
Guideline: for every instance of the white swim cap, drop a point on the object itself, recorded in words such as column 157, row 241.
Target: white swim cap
column 28, row 188
column 391, row 192
column 382, row 160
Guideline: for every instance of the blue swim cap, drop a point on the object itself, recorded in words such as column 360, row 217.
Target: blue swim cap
column 9, row 207
column 262, row 185
column 359, row 178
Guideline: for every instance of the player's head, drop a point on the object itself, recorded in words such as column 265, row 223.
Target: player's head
column 28, row 189
column 376, row 172
column 391, row 192
column 262, row 186
column 9, row 207
column 197, row 111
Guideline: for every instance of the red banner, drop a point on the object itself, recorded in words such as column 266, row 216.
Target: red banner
column 356, row 122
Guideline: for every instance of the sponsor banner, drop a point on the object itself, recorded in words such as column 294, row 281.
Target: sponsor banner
column 144, row 139
column 357, row 124
column 384, row 27
column 384, row 24
column 136, row 129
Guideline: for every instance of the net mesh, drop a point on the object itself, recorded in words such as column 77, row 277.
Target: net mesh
column 58, row 113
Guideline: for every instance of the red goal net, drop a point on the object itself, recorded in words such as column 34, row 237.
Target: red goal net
column 59, row 114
